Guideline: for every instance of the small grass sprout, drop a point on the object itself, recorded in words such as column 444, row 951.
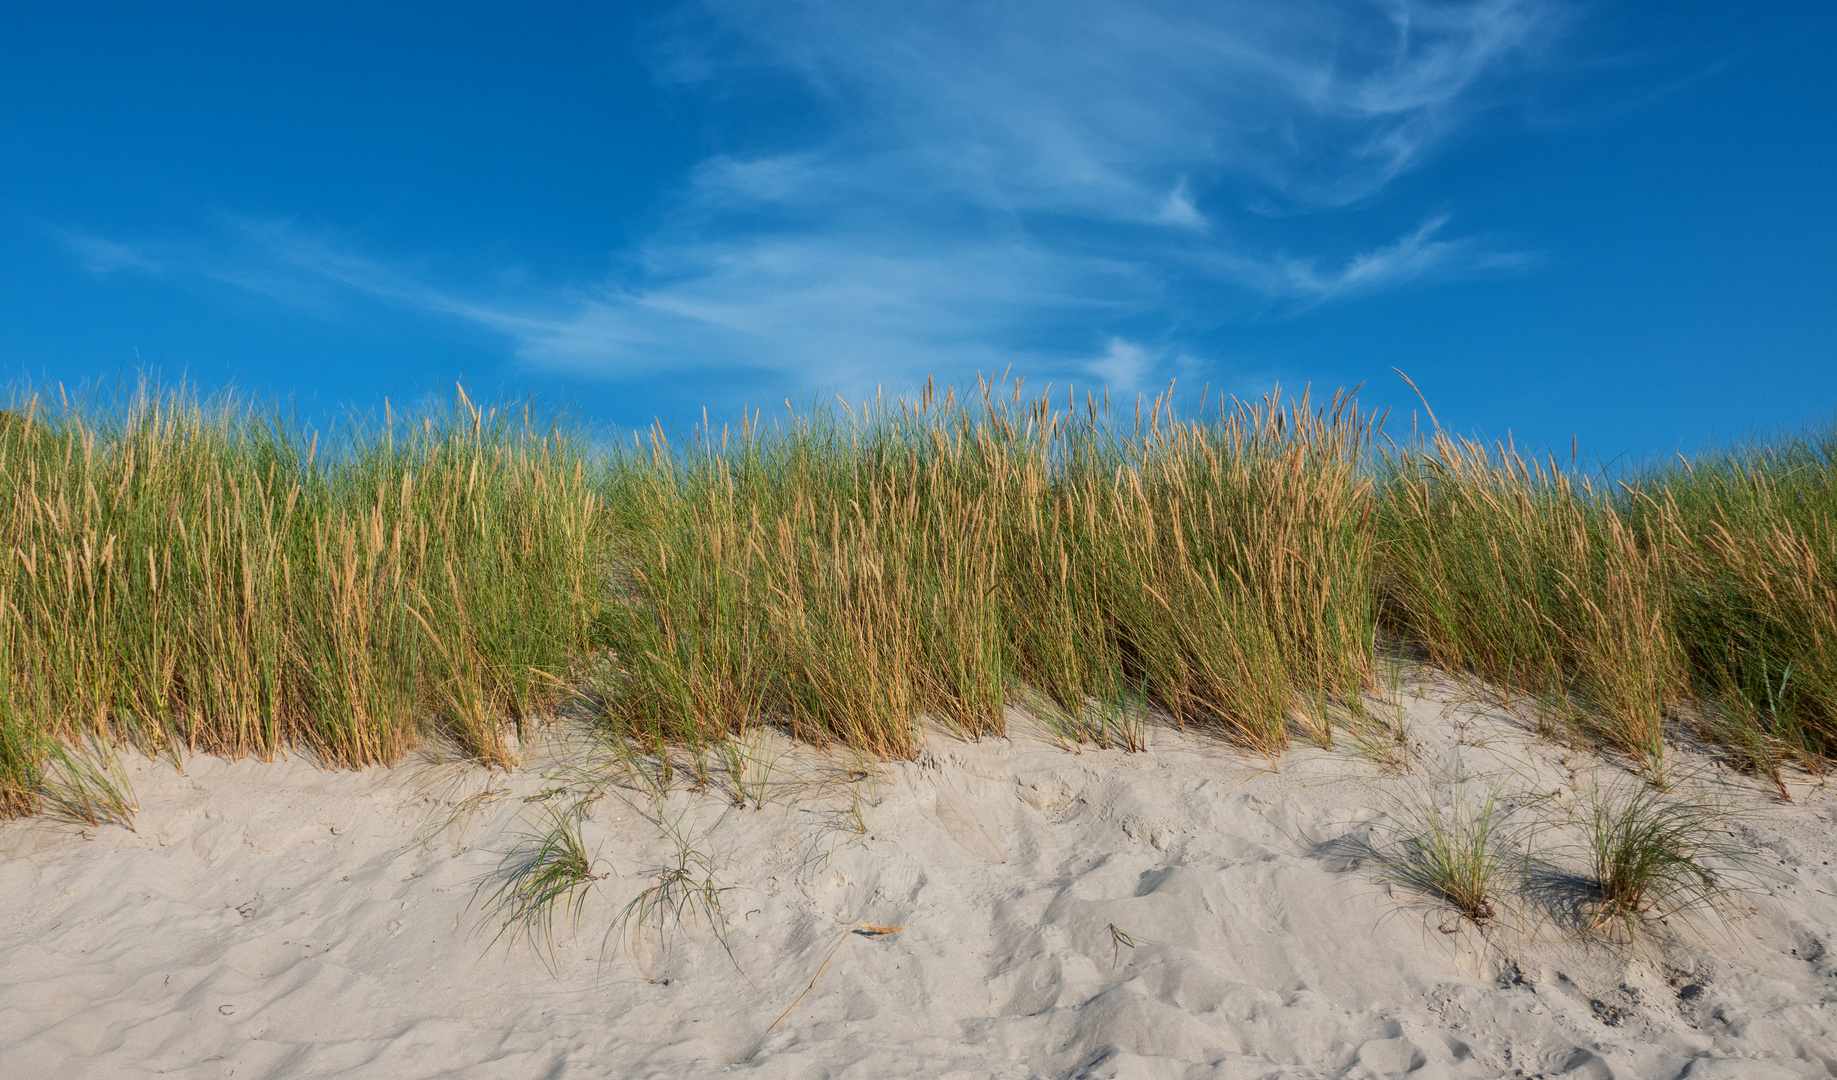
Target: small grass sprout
column 1119, row 938
column 750, row 772
column 545, row 870
column 1384, row 741
column 686, row 888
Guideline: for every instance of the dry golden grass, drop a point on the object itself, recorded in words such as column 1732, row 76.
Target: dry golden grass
column 1749, row 538
column 1704, row 593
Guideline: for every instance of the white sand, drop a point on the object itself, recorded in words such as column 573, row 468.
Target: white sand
column 281, row 921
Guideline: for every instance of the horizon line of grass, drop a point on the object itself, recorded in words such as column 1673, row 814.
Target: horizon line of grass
column 176, row 574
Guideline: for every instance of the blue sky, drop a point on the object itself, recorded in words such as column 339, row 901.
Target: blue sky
column 1607, row 221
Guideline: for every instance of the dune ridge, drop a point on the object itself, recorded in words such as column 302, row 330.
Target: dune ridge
column 1034, row 911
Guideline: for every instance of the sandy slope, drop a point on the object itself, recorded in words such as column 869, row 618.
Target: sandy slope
column 276, row 920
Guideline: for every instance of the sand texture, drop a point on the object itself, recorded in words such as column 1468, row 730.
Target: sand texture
column 1184, row 912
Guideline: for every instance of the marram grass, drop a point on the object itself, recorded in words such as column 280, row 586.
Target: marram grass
column 211, row 577
column 844, row 577
column 1749, row 541
column 1536, row 581
column 179, row 575
column 1701, row 595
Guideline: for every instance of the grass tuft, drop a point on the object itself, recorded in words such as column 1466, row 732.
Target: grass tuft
column 86, row 784
column 1653, row 855
column 1520, row 572
column 685, row 889
column 210, row 576
column 544, row 871
column 843, row 575
column 1458, row 853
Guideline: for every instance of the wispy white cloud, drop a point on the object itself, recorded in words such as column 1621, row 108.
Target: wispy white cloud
column 1178, row 209
column 989, row 183
column 1408, row 258
column 100, row 256
column 1124, row 365
column 1090, row 106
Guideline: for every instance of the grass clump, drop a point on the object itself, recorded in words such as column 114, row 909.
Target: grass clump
column 544, row 871
column 1703, row 591
column 22, row 756
column 685, row 888
column 1458, row 853
column 86, row 784
column 1652, row 855
column 1750, row 540
column 1527, row 576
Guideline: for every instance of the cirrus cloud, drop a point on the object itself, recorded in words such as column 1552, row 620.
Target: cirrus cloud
column 981, row 184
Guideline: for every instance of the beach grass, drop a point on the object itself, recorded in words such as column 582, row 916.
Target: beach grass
column 1652, row 855
column 1532, row 578
column 546, row 869
column 1700, row 595
column 183, row 575
column 1749, row 538
column 845, row 571
column 206, row 576
column 1454, row 850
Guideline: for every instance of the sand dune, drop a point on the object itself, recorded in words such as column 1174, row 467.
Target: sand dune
column 1183, row 912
